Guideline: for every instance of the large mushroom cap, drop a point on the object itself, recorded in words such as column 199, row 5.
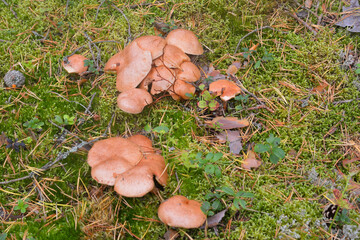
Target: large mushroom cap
column 134, row 100
column 140, row 180
column 136, row 65
column 154, row 44
column 188, row 72
column 185, row 40
column 114, row 62
column 178, row 211
column 75, row 64
column 114, row 148
column 143, row 142
column 162, row 79
column 182, row 89
column 225, row 89
column 173, row 57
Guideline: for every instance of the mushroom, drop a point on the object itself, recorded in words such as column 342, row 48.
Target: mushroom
column 225, row 89
column 173, row 57
column 113, row 63
column 185, row 40
column 139, row 180
column 134, row 100
column 178, row 211
column 143, row 142
column 75, row 64
column 188, row 72
column 162, row 79
column 14, row 78
column 135, row 65
column 181, row 88
column 154, row 44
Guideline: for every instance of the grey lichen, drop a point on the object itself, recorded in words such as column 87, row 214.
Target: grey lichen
column 14, row 77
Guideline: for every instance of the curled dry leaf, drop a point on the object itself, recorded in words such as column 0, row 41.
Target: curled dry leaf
column 171, row 234
column 228, row 122
column 250, row 161
column 234, row 139
column 214, row 220
column 233, row 68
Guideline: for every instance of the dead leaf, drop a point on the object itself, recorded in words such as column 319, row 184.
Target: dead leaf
column 348, row 161
column 320, row 88
column 214, row 220
column 351, row 20
column 250, row 161
column 171, row 234
column 228, row 122
column 3, row 138
column 308, row 3
column 233, row 138
column 233, row 68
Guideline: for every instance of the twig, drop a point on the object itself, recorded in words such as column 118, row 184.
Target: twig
column 248, row 34
column 292, row 14
column 67, row 6
column 98, row 9
column 346, row 101
column 60, row 156
column 2, row 40
column 127, row 20
column 5, row 3
column 67, row 99
column 145, row 4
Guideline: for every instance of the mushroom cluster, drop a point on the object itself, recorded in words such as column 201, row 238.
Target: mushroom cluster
column 152, row 65
column 129, row 164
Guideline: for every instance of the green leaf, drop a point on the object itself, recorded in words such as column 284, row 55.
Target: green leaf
column 217, row 172
column 210, row 169
column 147, row 128
column 209, row 156
column 216, row 205
column 161, row 129
column 257, row 64
column 209, row 196
column 213, row 105
column 58, row 119
column 207, row 96
column 3, row 236
column 277, row 154
column 217, row 156
column 202, row 87
column 228, row 190
column 205, row 207
column 244, row 194
column 202, row 104
column 261, row 148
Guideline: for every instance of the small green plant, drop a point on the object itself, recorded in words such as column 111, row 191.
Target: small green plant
column 34, row 124
column 65, row 120
column 271, row 148
column 357, row 71
column 91, row 66
column 207, row 100
column 242, row 100
column 21, row 205
column 342, row 218
column 209, row 163
column 213, row 201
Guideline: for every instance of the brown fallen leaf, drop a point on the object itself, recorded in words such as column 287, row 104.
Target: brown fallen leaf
column 233, row 138
column 308, row 3
column 320, row 88
column 233, row 68
column 171, row 234
column 250, row 161
column 228, row 122
column 214, row 220
column 3, row 138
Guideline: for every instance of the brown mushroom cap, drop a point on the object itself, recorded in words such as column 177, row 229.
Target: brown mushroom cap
column 140, row 180
column 143, row 142
column 178, row 211
column 114, row 148
column 134, row 100
column 114, row 62
column 162, row 79
column 136, row 65
column 181, row 88
column 173, row 57
column 154, row 44
column 185, row 40
column 188, row 72
column 75, row 64
column 225, row 89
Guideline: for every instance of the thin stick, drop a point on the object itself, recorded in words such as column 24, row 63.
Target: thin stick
column 145, row 4
column 67, row 6
column 5, row 3
column 98, row 9
column 253, row 31
column 302, row 22
column 127, row 20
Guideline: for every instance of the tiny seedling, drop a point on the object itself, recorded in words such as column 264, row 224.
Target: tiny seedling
column 34, row 124
column 212, row 204
column 342, row 218
column 22, row 206
column 208, row 163
column 271, row 148
column 207, row 100
column 65, row 120
column 238, row 202
column 242, row 100
column 91, row 66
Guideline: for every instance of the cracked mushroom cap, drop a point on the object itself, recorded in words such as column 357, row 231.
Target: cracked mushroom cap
column 154, row 44
column 162, row 79
column 75, row 64
column 173, row 57
column 113, row 63
column 181, row 88
column 188, row 72
column 134, row 68
column 178, row 211
column 143, row 142
column 225, row 89
column 139, row 180
column 185, row 40
column 134, row 100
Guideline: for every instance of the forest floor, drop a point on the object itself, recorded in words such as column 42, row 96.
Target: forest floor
column 299, row 85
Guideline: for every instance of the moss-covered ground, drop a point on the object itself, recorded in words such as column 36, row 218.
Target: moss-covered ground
column 301, row 86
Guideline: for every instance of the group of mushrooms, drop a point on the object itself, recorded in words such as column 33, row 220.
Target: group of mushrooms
column 148, row 66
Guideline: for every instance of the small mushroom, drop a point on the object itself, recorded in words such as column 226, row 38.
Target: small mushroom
column 139, row 180
column 154, row 44
column 182, row 88
column 134, row 100
column 225, row 89
column 188, row 72
column 75, row 64
column 173, row 57
column 114, row 62
column 135, row 65
column 178, row 211
column 14, row 78
column 185, row 40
